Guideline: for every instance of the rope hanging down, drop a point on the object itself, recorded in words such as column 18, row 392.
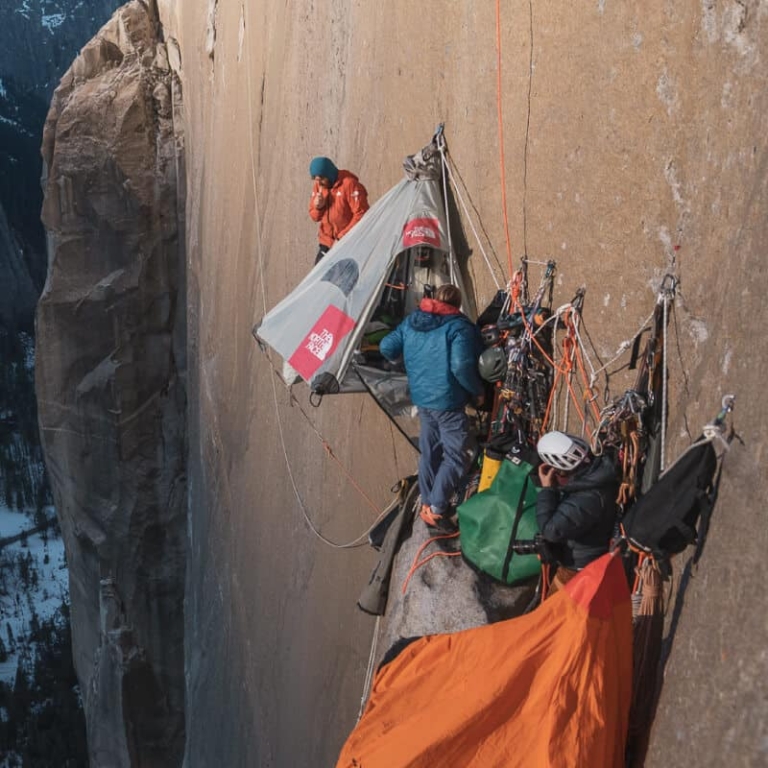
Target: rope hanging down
column 362, row 538
column 451, row 174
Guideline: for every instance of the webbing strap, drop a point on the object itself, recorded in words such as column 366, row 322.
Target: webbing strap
column 515, row 525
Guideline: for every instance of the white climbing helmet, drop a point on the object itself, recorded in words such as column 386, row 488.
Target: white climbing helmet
column 565, row 452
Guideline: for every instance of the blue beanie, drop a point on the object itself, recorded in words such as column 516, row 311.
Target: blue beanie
column 322, row 166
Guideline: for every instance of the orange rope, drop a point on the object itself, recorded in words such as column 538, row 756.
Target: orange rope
column 516, row 284
column 350, row 479
column 418, row 563
column 587, row 387
column 641, row 558
column 328, row 449
column 295, row 403
column 501, row 136
column 528, row 328
column 630, row 459
column 546, row 572
column 571, row 352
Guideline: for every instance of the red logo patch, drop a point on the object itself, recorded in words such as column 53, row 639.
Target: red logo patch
column 421, row 232
column 321, row 342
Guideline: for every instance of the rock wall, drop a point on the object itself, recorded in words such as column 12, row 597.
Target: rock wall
column 111, row 387
column 634, row 143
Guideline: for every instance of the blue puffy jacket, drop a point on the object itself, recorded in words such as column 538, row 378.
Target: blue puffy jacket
column 440, row 347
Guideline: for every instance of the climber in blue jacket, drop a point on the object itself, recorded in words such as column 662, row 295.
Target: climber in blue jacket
column 440, row 347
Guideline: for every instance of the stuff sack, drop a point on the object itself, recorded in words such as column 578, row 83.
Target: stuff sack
column 490, row 521
column 663, row 522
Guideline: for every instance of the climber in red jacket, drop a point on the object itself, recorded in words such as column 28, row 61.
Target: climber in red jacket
column 338, row 202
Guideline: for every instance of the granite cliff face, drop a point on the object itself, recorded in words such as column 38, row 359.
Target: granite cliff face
column 111, row 383
column 635, row 143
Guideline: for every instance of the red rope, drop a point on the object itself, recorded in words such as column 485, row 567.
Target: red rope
column 418, row 563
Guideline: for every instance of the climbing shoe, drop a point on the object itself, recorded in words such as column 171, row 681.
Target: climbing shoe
column 446, row 523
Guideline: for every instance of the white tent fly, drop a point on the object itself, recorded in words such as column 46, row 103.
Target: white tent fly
column 327, row 329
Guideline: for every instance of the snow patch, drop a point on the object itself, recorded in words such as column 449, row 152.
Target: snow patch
column 13, row 522
column 36, row 584
column 25, row 10
column 53, row 20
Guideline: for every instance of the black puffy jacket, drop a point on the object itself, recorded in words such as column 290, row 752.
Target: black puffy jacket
column 578, row 518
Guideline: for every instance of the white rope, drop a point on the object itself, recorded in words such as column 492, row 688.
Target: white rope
column 472, row 227
column 441, row 147
column 713, row 431
column 363, row 537
column 533, row 261
column 708, row 438
column 369, row 669
column 621, row 349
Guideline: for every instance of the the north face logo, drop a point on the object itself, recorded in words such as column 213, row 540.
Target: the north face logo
column 422, row 231
column 321, row 342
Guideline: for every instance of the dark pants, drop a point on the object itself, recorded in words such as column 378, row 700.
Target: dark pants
column 442, row 440
column 321, row 251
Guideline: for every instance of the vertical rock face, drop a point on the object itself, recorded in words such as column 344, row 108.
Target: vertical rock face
column 111, row 383
column 636, row 141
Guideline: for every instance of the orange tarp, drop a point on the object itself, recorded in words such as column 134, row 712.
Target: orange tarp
column 550, row 689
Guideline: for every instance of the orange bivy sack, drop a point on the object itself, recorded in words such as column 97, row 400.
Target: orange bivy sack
column 550, row 689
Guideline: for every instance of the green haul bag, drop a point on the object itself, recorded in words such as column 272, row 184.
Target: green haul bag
column 491, row 520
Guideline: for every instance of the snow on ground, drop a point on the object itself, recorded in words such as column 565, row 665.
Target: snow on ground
column 24, row 595
column 13, row 522
column 25, row 10
column 53, row 20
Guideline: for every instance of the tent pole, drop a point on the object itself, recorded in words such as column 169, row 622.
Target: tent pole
column 441, row 147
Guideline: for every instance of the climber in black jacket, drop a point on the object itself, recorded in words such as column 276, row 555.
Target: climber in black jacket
column 576, row 507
